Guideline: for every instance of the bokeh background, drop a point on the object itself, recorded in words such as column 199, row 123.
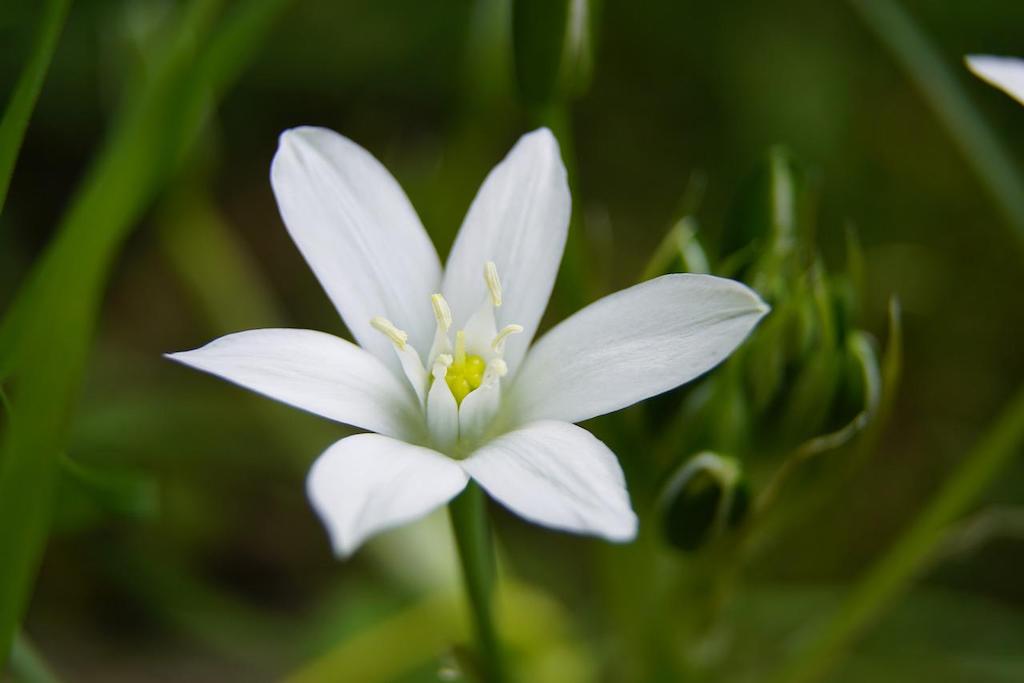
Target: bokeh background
column 184, row 549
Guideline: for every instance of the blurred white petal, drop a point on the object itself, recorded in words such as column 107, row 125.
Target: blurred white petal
column 1005, row 73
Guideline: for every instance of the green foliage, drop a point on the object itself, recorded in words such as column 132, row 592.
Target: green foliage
column 26, row 92
column 45, row 335
column 552, row 44
column 707, row 496
column 177, row 518
column 808, row 381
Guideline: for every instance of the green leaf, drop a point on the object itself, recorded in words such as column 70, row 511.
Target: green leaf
column 219, row 274
column 884, row 583
column 679, row 252
column 26, row 92
column 87, row 492
column 45, row 335
column 28, row 665
column 942, row 89
column 934, row 635
column 552, row 46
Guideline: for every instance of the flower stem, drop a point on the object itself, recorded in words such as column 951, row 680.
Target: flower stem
column 476, row 554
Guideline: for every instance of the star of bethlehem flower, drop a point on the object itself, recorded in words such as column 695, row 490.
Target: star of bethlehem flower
column 1005, row 73
column 444, row 374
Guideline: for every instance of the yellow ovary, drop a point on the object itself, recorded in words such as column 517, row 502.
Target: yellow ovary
column 464, row 377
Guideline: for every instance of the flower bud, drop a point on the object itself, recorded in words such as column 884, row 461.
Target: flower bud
column 771, row 229
column 706, row 496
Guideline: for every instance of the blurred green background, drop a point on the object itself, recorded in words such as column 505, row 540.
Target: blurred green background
column 182, row 546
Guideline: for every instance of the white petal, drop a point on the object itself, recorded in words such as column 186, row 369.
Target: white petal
column 519, row 220
column 442, row 412
column 1005, row 73
column 480, row 332
column 355, row 227
column 558, row 475
column 632, row 345
column 414, row 371
column 316, row 372
column 368, row 483
column 478, row 410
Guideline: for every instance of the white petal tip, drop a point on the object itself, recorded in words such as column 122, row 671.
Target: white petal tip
column 298, row 133
column 542, row 138
column 341, row 550
column 179, row 356
column 626, row 534
column 1005, row 73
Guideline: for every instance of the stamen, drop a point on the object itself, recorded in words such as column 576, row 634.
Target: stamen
column 442, row 312
column 499, row 367
column 460, row 348
column 498, row 344
column 386, row 327
column 493, row 283
column 496, row 369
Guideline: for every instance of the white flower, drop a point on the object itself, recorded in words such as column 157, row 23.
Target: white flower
column 1005, row 73
column 444, row 373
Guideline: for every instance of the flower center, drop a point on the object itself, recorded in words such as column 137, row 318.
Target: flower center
column 466, row 371
column 464, row 378
column 473, row 363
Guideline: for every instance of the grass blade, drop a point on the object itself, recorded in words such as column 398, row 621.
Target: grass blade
column 912, row 551
column 943, row 91
column 26, row 92
column 45, row 336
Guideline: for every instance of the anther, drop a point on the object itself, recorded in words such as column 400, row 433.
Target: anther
column 499, row 367
column 493, row 283
column 386, row 327
column 442, row 312
column 498, row 343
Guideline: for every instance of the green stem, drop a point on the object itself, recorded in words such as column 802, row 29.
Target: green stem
column 476, row 554
column 914, row 549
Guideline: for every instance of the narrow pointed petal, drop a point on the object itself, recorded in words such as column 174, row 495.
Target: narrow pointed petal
column 519, row 220
column 1005, row 73
column 313, row 371
column 477, row 412
column 414, row 371
column 557, row 475
column 360, row 235
column 442, row 414
column 480, row 331
column 367, row 483
column 632, row 345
